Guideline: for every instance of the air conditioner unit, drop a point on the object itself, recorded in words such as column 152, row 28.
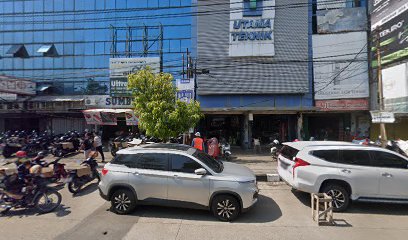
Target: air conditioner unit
column 90, row 101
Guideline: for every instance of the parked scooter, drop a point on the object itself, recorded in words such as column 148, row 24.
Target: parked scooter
column 226, row 150
column 80, row 177
column 275, row 149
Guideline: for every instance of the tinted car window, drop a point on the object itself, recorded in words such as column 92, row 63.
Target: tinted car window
column 129, row 160
column 328, row 155
column 354, row 157
column 289, row 152
column 180, row 163
column 154, row 161
column 388, row 160
column 215, row 165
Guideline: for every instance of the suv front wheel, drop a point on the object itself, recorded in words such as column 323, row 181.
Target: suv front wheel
column 123, row 201
column 341, row 197
column 225, row 207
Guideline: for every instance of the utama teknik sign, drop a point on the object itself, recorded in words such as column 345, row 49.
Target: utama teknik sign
column 251, row 28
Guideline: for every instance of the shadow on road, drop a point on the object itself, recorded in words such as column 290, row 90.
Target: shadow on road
column 266, row 210
column 362, row 207
column 88, row 189
column 61, row 211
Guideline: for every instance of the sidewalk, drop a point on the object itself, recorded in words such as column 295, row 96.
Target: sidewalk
column 260, row 163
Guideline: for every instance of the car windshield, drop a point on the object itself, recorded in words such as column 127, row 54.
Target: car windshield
column 215, row 165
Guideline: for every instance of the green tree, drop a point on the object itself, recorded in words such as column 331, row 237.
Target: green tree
column 160, row 114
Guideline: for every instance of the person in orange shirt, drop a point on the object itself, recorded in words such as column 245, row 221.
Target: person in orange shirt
column 198, row 142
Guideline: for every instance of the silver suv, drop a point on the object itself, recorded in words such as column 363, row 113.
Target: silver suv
column 177, row 175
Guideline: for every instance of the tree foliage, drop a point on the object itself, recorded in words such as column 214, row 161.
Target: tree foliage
column 160, row 114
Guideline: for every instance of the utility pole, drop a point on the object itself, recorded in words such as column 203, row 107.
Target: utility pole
column 383, row 131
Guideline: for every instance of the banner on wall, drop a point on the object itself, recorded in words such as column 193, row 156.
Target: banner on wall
column 93, row 118
column 185, row 90
column 131, row 119
column 100, row 117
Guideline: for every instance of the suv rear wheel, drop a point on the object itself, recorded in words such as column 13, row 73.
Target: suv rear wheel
column 225, row 207
column 123, row 201
column 341, row 197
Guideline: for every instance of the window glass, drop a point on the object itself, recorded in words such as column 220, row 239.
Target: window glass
column 355, row 157
column 180, row 163
column 154, row 161
column 388, row 160
column 328, row 155
column 129, row 160
column 289, row 152
column 215, row 165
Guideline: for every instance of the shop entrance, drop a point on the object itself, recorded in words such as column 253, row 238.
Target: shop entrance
column 229, row 127
column 332, row 127
column 270, row 127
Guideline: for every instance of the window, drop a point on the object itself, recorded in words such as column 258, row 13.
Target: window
column 388, row 160
column 215, row 165
column 354, row 157
column 328, row 155
column 129, row 160
column 289, row 152
column 153, row 161
column 180, row 163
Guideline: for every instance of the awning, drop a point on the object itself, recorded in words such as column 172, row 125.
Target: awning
column 18, row 51
column 109, row 116
column 48, row 50
column 74, row 98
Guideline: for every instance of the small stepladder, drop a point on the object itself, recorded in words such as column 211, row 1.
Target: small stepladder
column 324, row 215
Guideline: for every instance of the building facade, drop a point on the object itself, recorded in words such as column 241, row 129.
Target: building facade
column 340, row 72
column 64, row 47
column 257, row 57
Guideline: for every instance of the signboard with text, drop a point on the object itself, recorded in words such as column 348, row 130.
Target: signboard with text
column 382, row 117
column 251, row 28
column 185, row 89
column 342, row 105
column 106, row 101
column 120, row 68
column 17, row 86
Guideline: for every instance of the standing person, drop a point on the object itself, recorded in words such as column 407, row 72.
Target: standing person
column 98, row 145
column 198, row 142
column 87, row 145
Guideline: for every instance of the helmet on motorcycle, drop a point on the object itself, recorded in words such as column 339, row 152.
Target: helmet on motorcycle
column 275, row 141
column 21, row 154
column 35, row 170
column 42, row 154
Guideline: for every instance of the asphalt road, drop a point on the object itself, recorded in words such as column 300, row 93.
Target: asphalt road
column 279, row 214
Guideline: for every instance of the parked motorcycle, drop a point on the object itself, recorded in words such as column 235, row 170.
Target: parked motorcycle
column 226, row 150
column 65, row 145
column 275, row 149
column 36, row 195
column 11, row 146
column 82, row 176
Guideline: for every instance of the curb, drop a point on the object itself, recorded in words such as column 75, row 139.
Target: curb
column 273, row 177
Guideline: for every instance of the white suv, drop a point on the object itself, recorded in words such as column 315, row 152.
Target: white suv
column 345, row 171
column 177, row 175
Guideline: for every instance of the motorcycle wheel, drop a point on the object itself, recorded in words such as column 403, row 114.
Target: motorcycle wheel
column 4, row 207
column 74, row 186
column 7, row 152
column 47, row 201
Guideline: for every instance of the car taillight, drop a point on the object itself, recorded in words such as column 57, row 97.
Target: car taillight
column 299, row 163
column 104, row 171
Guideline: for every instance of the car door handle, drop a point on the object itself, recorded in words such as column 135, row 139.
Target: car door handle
column 345, row 171
column 387, row 175
column 136, row 173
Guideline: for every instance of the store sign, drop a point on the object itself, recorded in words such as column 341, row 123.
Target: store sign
column 382, row 117
column 17, row 86
column 342, row 105
column 395, row 88
column 120, row 68
column 100, row 118
column 341, row 20
column 389, row 21
column 185, row 89
column 131, row 119
column 252, row 28
column 341, row 77
column 8, row 96
column 106, row 101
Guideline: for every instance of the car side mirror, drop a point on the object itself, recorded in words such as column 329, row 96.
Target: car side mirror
column 200, row 171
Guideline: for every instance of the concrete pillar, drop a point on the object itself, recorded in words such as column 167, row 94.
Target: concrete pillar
column 247, row 139
column 300, row 127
